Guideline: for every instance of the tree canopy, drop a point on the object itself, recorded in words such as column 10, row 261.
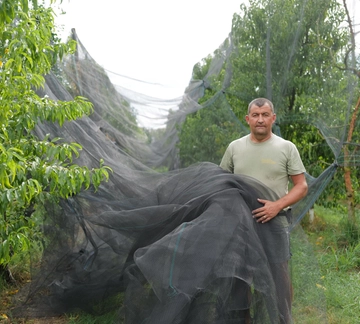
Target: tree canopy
column 291, row 52
column 33, row 169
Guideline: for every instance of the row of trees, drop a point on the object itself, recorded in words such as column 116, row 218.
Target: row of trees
column 33, row 170
column 300, row 54
column 295, row 52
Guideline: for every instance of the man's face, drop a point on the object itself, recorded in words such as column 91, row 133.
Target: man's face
column 260, row 120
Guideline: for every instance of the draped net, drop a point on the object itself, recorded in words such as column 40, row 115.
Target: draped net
column 158, row 242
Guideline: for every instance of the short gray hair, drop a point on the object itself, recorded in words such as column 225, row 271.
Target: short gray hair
column 261, row 102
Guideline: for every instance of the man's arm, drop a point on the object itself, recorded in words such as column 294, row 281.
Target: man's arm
column 272, row 208
column 227, row 161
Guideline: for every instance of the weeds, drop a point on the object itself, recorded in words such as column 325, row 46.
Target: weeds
column 336, row 244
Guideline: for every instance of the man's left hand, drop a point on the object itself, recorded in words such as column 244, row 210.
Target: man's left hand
column 266, row 212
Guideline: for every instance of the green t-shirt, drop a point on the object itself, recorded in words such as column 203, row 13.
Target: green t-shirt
column 271, row 162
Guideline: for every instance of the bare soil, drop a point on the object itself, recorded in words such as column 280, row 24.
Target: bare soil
column 8, row 298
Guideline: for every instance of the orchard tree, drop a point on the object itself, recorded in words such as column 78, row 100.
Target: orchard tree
column 215, row 122
column 279, row 57
column 351, row 63
column 281, row 51
column 33, row 170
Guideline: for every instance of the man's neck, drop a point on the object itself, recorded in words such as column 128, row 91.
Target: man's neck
column 259, row 139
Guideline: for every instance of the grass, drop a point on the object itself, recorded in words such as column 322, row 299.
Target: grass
column 89, row 319
column 325, row 270
column 309, row 303
column 336, row 247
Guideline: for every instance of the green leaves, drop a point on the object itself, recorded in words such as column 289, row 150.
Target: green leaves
column 33, row 170
column 292, row 52
column 17, row 239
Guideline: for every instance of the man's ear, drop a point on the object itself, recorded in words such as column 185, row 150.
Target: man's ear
column 274, row 118
column 247, row 118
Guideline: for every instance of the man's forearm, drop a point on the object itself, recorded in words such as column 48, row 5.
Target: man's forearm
column 296, row 193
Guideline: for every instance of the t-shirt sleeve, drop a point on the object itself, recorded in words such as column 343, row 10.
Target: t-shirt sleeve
column 227, row 161
column 295, row 165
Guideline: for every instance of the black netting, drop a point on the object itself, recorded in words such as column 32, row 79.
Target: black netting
column 170, row 243
column 188, row 246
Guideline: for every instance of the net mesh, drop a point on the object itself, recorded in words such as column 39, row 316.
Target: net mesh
column 173, row 234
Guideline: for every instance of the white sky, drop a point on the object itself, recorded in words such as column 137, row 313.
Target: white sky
column 151, row 40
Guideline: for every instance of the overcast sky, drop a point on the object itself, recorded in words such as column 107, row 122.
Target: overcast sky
column 151, row 40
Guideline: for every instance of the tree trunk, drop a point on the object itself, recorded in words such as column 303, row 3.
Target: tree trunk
column 347, row 168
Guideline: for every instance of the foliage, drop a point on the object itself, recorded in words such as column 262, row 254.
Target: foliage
column 123, row 118
column 286, row 51
column 215, row 122
column 33, row 169
column 216, row 128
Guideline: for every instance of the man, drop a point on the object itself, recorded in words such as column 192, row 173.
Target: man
column 271, row 160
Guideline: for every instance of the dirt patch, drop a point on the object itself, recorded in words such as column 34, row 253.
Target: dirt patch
column 45, row 320
column 8, row 297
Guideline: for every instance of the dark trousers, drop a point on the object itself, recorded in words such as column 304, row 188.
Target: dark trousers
column 242, row 300
column 281, row 276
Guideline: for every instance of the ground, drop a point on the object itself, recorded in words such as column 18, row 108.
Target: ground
column 7, row 302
